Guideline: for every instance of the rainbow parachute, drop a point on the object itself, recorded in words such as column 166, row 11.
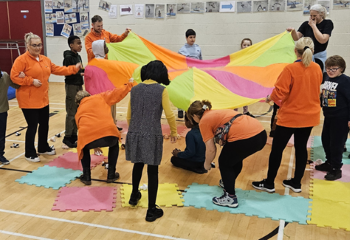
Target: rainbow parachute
column 239, row 79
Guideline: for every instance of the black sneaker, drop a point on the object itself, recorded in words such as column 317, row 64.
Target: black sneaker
column 325, row 167
column 134, row 198
column 4, row 161
column 69, row 142
column 262, row 185
column 334, row 174
column 272, row 133
column 112, row 178
column 290, row 184
column 154, row 213
column 50, row 151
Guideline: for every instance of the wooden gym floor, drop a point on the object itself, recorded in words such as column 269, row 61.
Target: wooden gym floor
column 25, row 211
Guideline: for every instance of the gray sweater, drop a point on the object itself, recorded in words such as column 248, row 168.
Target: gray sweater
column 5, row 82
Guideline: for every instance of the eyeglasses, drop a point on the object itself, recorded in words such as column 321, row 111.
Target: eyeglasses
column 331, row 69
column 36, row 45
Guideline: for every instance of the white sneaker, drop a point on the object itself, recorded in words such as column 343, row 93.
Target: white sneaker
column 226, row 200
column 33, row 159
column 51, row 152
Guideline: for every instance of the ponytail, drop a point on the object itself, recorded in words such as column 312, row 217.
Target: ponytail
column 305, row 49
column 28, row 38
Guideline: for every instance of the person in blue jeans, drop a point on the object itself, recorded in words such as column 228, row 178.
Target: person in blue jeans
column 193, row 157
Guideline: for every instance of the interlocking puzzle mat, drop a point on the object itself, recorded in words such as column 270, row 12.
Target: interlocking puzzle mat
column 330, row 190
column 50, row 177
column 70, row 160
column 92, row 152
column 317, row 151
column 85, row 199
column 168, row 196
column 326, row 213
column 251, row 203
column 320, row 174
column 291, row 141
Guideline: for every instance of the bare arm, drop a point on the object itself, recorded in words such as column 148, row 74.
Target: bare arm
column 210, row 152
column 295, row 34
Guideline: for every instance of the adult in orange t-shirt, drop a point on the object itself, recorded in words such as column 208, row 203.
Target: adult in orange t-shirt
column 297, row 91
column 98, row 33
column 96, row 128
column 246, row 136
column 32, row 71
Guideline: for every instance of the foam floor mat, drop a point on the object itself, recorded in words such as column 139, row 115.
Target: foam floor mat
column 168, row 196
column 50, row 177
column 320, row 174
column 330, row 190
column 251, row 203
column 70, row 160
column 85, row 199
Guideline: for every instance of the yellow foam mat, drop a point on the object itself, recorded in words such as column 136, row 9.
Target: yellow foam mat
column 326, row 213
column 168, row 196
column 330, row 190
column 104, row 151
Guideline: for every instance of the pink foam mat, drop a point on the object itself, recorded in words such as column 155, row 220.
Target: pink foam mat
column 85, row 199
column 320, row 175
column 70, row 160
column 291, row 141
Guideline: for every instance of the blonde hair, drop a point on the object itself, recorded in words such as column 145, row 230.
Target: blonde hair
column 28, row 38
column 197, row 108
column 320, row 9
column 80, row 95
column 305, row 49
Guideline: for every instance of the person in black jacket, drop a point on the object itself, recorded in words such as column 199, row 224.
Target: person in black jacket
column 74, row 83
column 193, row 157
column 335, row 101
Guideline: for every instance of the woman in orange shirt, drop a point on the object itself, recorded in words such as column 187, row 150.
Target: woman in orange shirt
column 33, row 96
column 97, row 128
column 245, row 137
column 297, row 91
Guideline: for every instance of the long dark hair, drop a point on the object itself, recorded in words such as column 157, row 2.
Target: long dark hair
column 156, row 71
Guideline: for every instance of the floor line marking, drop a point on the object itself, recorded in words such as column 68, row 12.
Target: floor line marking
column 24, row 235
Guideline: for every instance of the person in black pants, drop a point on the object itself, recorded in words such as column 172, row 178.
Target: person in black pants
column 193, row 157
column 273, row 120
column 335, row 100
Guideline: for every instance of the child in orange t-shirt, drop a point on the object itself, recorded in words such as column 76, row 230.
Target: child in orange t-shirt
column 298, row 89
column 245, row 137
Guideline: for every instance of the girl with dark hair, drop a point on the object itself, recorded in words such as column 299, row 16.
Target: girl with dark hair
column 144, row 141
column 245, row 137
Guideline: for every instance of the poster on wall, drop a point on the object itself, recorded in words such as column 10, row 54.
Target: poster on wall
column 171, row 10
column 113, row 11
column 139, row 10
column 325, row 4
column 49, row 29
column 60, row 17
column 183, row 8
column 228, row 6
column 70, row 18
column 125, row 9
column 57, row 4
column 340, row 5
column 48, row 6
column 277, row 5
column 66, row 30
column 105, row 6
column 149, row 11
column 50, row 18
column 75, row 5
column 294, row 5
column 77, row 29
column 84, row 17
column 197, row 7
column 260, row 6
column 307, row 6
column 212, row 6
column 84, row 5
column 68, row 6
column 160, row 11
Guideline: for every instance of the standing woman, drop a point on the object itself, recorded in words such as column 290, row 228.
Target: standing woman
column 246, row 136
column 32, row 96
column 144, row 141
column 319, row 29
column 298, row 87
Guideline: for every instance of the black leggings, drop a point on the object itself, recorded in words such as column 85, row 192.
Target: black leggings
column 232, row 156
column 35, row 117
column 152, row 172
column 113, row 152
column 282, row 136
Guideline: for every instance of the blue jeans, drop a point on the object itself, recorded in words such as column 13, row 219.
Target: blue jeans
column 3, row 121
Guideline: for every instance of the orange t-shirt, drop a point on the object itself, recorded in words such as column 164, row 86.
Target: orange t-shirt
column 104, row 35
column 94, row 119
column 28, row 95
column 243, row 127
column 298, row 87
